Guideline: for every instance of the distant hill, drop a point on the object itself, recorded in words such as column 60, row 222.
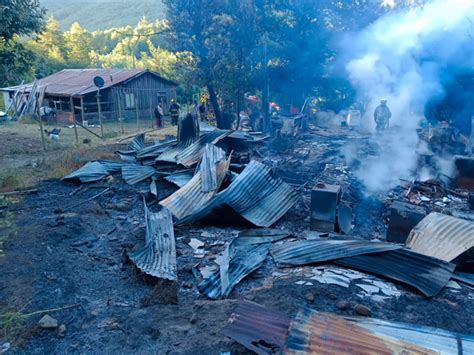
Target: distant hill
column 103, row 14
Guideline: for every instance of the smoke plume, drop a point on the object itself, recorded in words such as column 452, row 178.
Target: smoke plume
column 406, row 58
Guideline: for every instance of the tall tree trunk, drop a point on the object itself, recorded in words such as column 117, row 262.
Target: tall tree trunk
column 215, row 105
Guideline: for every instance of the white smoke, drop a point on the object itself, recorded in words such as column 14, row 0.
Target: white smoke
column 401, row 57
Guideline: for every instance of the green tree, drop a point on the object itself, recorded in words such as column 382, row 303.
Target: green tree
column 18, row 18
column 78, row 46
column 49, row 49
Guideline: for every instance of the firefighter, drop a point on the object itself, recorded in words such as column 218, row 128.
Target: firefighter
column 174, row 112
column 382, row 116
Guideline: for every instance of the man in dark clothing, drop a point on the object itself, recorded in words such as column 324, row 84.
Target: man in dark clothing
column 159, row 116
column 202, row 112
column 382, row 116
column 174, row 112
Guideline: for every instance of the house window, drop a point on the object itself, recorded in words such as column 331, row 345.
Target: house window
column 129, row 101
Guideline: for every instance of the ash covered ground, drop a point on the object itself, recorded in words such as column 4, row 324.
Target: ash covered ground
column 78, row 258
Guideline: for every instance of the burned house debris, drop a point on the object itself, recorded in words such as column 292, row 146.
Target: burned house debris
column 287, row 229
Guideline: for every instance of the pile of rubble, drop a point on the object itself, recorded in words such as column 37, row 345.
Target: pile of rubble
column 219, row 173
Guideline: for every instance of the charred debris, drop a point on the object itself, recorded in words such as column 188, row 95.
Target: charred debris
column 420, row 240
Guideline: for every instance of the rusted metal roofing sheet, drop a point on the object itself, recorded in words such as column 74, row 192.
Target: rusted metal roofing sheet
column 256, row 194
column 134, row 173
column 316, row 251
column 78, row 82
column 208, row 167
column 311, row 332
column 438, row 340
column 180, row 178
column 92, row 171
column 441, row 236
column 258, row 328
column 158, row 255
column 427, row 274
column 188, row 199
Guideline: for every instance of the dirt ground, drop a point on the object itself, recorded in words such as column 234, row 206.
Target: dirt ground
column 77, row 259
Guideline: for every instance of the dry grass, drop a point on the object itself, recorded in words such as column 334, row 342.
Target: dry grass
column 23, row 162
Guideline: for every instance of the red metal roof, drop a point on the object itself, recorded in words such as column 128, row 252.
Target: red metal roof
column 78, row 82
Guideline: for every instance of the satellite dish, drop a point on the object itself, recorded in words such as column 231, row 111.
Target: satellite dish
column 99, row 81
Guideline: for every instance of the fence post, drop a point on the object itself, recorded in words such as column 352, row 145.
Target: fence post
column 82, row 110
column 120, row 111
column 39, row 102
column 151, row 111
column 99, row 110
column 74, row 119
column 136, row 110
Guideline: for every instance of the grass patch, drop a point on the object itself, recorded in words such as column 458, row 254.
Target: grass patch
column 7, row 224
column 10, row 180
column 27, row 119
column 13, row 320
column 111, row 134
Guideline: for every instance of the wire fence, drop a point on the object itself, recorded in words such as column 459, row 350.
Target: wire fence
column 114, row 113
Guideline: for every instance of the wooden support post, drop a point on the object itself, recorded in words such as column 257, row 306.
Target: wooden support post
column 136, row 110
column 41, row 128
column 82, row 110
column 121, row 118
column 74, row 119
column 99, row 110
column 38, row 106
column 151, row 110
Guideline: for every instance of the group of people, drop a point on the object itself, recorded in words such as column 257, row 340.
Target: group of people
column 174, row 113
column 173, row 110
column 382, row 116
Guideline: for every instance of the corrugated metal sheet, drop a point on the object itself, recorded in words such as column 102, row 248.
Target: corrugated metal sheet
column 312, row 332
column 438, row 340
column 137, row 143
column 441, row 236
column 427, row 274
column 256, row 194
column 258, row 236
column 92, row 171
column 111, row 166
column 316, row 251
column 180, row 178
column 211, row 156
column 192, row 154
column 79, row 82
column 246, row 260
column 134, row 173
column 258, row 328
column 158, row 255
column 170, row 154
column 154, row 150
column 188, row 199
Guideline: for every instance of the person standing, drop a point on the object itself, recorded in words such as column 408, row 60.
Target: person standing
column 174, row 112
column 382, row 116
column 202, row 112
column 159, row 115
